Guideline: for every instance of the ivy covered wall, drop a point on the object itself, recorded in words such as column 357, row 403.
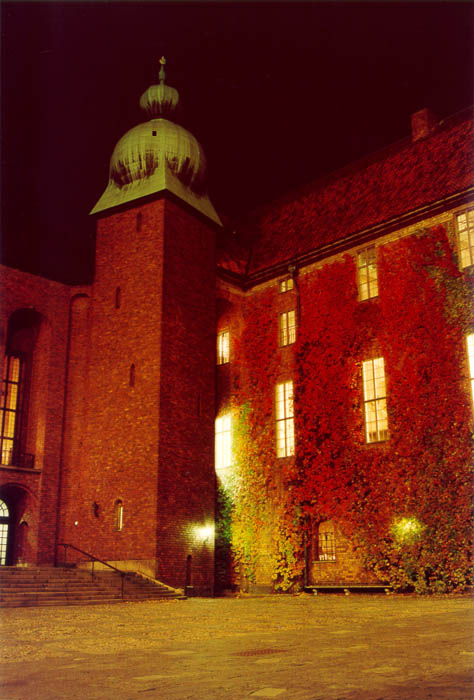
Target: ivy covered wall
column 405, row 503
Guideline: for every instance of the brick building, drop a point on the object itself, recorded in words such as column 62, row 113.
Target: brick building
column 115, row 417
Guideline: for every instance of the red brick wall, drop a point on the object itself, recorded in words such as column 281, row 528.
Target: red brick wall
column 149, row 445
column 186, row 481
column 35, row 491
column 118, row 458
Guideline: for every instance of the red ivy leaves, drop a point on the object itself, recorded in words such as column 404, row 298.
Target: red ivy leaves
column 423, row 471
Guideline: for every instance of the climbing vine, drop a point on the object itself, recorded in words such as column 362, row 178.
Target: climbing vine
column 404, row 503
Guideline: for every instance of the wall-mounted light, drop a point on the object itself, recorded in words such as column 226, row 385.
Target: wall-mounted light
column 407, row 529
column 205, row 533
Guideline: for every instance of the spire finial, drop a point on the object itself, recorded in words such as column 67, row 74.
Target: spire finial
column 162, row 74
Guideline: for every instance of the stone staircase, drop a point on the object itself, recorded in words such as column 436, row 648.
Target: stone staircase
column 31, row 586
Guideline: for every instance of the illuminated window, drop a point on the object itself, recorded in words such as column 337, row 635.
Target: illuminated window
column 287, row 327
column 286, row 285
column 223, row 455
column 118, row 515
column 470, row 357
column 375, row 400
column 367, row 274
column 326, row 542
column 4, row 521
column 223, row 355
column 285, row 432
column 465, row 225
column 10, row 407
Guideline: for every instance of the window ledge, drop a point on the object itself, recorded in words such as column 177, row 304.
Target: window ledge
column 13, row 468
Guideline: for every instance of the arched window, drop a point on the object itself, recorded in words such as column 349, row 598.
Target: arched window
column 23, row 330
column 4, row 524
column 118, row 515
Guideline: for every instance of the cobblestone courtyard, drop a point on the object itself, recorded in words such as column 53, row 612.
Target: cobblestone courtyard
column 326, row 647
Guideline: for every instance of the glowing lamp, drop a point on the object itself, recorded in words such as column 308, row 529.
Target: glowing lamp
column 407, row 529
column 205, row 533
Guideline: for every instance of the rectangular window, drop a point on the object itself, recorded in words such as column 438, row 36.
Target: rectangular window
column 287, row 327
column 223, row 355
column 367, row 274
column 286, row 285
column 375, row 400
column 10, row 407
column 285, row 433
column 470, row 357
column 223, row 456
column 465, row 226
column 326, row 547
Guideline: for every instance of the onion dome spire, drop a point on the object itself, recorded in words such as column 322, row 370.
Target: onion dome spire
column 160, row 100
column 158, row 156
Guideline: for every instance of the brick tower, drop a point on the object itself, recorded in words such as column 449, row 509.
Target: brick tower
column 139, row 490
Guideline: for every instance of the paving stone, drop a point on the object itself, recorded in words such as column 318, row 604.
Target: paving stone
column 269, row 692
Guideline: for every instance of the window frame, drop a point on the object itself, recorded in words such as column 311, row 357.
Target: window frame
column 223, row 348
column 470, row 362
column 284, row 419
column 469, row 233
column 11, row 434
column 375, row 401
column 286, row 285
column 286, row 328
column 368, row 288
column 223, row 441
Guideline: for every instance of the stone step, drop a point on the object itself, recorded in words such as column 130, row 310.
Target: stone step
column 68, row 586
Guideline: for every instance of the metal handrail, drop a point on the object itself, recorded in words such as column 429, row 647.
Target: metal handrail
column 93, row 560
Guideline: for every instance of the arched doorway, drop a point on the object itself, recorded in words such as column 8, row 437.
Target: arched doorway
column 5, row 532
column 17, row 515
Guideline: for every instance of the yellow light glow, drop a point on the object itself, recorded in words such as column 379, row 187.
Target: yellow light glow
column 205, row 533
column 407, row 529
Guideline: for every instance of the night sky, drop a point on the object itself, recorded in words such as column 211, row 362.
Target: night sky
column 277, row 94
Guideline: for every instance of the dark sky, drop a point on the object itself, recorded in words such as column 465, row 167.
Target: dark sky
column 277, row 94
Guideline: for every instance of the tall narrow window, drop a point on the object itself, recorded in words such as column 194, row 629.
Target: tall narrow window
column 223, row 455
column 367, row 274
column 465, row 226
column 4, row 523
column 470, row 357
column 285, row 433
column 139, row 221
column 223, row 354
column 375, row 400
column 10, row 407
column 287, row 327
column 286, row 285
column 118, row 297
column 118, row 515
column 131, row 375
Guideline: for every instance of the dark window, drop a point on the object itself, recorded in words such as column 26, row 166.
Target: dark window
column 139, row 221
column 118, row 297
column 131, row 380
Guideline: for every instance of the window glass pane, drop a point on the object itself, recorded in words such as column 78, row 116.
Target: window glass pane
column 223, row 343
column 223, row 442
column 367, row 273
column 465, row 226
column 462, row 222
column 470, row 354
